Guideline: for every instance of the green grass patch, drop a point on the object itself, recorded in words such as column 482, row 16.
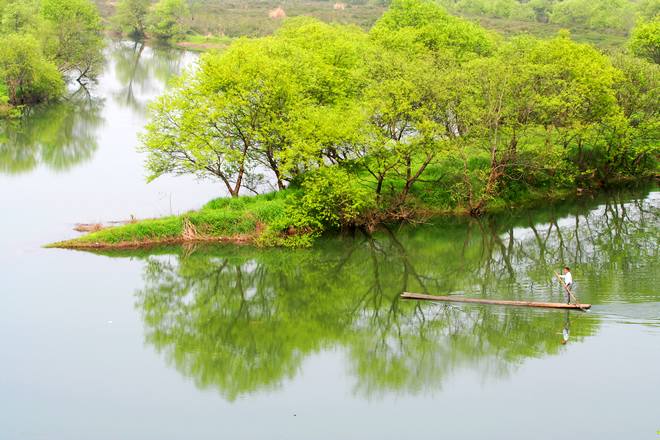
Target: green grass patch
column 223, row 218
column 145, row 230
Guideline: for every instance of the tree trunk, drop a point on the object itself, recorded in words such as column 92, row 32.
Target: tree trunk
column 410, row 179
column 379, row 186
column 270, row 157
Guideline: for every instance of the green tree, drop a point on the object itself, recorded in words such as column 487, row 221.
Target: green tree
column 327, row 64
column 27, row 75
column 406, row 126
column 186, row 135
column 645, row 40
column 632, row 147
column 259, row 106
column 167, row 19
column 427, row 24
column 76, row 42
column 525, row 108
column 210, row 124
column 131, row 17
column 20, row 16
column 407, row 123
column 638, row 90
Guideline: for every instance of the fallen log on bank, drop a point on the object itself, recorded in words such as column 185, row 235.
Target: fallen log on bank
column 547, row 305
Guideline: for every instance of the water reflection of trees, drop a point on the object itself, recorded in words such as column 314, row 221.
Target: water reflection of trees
column 59, row 135
column 143, row 71
column 609, row 246
column 241, row 319
column 63, row 134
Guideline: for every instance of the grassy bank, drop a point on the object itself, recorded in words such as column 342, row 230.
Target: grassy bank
column 237, row 220
column 264, row 220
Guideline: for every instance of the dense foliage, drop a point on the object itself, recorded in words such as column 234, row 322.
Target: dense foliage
column 42, row 44
column 426, row 111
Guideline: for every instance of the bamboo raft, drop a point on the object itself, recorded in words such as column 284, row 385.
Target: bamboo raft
column 547, row 305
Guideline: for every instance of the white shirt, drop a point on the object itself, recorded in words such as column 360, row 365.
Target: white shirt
column 568, row 278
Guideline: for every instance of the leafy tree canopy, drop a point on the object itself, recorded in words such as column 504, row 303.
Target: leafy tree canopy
column 645, row 40
column 425, row 108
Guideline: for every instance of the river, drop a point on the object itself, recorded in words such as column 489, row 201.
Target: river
column 244, row 343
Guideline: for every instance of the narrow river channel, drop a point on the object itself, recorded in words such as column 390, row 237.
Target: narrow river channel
column 244, row 343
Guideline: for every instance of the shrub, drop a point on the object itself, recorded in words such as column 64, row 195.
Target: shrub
column 330, row 199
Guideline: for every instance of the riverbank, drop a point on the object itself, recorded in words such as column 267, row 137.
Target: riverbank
column 265, row 221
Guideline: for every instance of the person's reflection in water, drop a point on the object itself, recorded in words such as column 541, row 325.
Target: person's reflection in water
column 566, row 332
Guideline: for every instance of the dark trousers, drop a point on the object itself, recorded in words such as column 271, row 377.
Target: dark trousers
column 568, row 296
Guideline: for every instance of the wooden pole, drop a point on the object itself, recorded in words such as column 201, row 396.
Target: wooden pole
column 421, row 296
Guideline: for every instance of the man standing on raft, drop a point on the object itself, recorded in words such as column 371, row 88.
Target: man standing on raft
column 568, row 283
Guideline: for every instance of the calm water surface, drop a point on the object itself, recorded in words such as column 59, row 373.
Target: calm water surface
column 241, row 343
